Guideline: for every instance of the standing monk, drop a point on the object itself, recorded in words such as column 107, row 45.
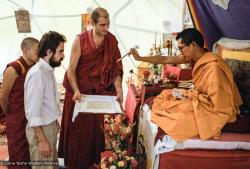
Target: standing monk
column 12, row 101
column 92, row 70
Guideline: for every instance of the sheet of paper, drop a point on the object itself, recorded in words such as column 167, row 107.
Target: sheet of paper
column 96, row 104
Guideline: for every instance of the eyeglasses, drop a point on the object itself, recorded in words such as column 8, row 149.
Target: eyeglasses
column 181, row 48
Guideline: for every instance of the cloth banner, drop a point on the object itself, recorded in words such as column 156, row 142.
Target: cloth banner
column 215, row 22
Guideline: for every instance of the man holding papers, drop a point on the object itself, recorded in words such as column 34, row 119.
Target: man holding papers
column 93, row 71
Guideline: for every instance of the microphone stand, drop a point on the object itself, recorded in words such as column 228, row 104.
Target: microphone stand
column 145, row 82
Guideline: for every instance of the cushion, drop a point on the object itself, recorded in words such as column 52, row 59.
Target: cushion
column 241, row 125
column 227, row 141
column 176, row 73
column 241, row 73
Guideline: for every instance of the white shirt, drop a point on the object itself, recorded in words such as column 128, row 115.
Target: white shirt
column 41, row 97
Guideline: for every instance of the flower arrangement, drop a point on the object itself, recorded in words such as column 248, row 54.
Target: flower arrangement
column 146, row 73
column 117, row 132
column 156, row 68
column 119, row 160
column 118, row 139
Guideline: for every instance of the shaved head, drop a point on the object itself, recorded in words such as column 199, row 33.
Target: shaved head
column 97, row 13
column 28, row 42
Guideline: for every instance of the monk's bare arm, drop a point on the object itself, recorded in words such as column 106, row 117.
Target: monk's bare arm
column 9, row 78
column 163, row 59
column 118, row 87
column 71, row 72
column 158, row 59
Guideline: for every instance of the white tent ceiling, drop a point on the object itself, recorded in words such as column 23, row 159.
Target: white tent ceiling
column 134, row 22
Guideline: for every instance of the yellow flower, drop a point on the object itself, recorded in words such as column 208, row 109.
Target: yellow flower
column 120, row 164
column 102, row 160
column 118, row 151
column 127, row 158
column 103, row 166
column 110, row 159
column 124, row 152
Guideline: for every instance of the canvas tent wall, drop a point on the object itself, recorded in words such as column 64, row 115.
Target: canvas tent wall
column 133, row 22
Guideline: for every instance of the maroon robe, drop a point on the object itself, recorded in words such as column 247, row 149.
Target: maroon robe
column 18, row 146
column 82, row 142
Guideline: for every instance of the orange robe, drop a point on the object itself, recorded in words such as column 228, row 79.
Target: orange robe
column 212, row 103
column 18, row 146
column 81, row 142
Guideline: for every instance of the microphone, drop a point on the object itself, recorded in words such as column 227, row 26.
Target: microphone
column 132, row 72
column 118, row 60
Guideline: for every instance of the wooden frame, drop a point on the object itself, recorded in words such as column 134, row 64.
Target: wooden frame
column 23, row 21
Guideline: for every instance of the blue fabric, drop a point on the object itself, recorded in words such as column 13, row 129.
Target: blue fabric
column 217, row 22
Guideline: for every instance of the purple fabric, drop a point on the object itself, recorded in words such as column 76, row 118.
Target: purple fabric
column 217, row 22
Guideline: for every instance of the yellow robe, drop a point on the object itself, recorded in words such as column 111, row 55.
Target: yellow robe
column 212, row 103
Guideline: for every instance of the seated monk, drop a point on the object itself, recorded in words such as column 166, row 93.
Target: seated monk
column 205, row 109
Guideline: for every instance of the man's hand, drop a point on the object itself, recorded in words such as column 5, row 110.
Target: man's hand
column 119, row 96
column 135, row 54
column 45, row 148
column 57, row 127
column 118, row 88
column 178, row 93
column 77, row 96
